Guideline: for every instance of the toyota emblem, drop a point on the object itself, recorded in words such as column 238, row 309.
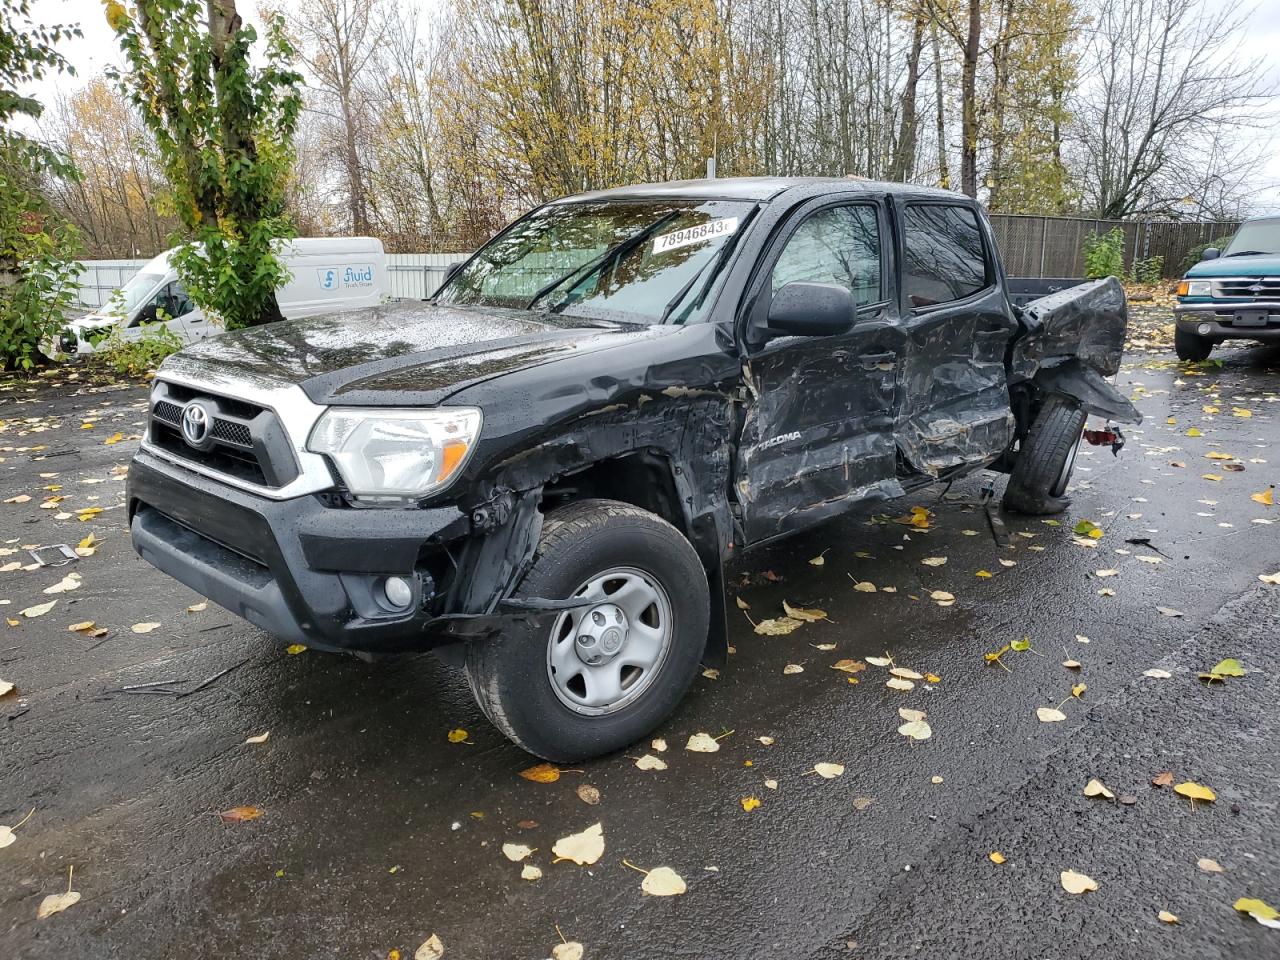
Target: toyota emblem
column 195, row 423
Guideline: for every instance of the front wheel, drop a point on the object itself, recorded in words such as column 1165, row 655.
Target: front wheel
column 1038, row 484
column 1190, row 346
column 607, row 672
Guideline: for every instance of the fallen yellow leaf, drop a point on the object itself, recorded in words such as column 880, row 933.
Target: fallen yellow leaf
column 995, row 856
column 457, row 735
column 750, row 803
column 240, row 814
column 1073, row 882
column 582, row 848
column 663, row 882
column 539, row 772
column 800, row 613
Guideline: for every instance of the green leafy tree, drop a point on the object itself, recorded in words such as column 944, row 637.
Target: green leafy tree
column 37, row 274
column 224, row 128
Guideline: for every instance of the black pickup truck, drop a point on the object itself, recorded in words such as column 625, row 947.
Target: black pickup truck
column 542, row 469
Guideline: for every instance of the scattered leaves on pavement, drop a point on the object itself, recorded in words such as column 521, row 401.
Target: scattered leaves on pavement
column 515, row 852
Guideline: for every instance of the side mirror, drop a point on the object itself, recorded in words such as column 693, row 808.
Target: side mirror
column 1210, row 253
column 811, row 309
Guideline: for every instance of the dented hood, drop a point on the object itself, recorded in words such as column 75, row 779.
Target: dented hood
column 416, row 353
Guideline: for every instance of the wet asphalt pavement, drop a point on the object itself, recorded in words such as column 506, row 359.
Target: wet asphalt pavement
column 378, row 831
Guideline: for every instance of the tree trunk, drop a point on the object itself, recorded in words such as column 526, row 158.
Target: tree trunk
column 904, row 153
column 969, row 102
column 940, row 123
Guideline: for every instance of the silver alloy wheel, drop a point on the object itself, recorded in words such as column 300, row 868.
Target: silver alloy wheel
column 602, row 656
column 1060, row 485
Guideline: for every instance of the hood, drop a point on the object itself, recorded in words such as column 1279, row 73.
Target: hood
column 404, row 353
column 1258, row 265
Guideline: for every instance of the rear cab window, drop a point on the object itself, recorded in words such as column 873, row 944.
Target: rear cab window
column 944, row 255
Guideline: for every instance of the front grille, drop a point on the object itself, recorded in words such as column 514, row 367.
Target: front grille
column 245, row 441
column 1247, row 288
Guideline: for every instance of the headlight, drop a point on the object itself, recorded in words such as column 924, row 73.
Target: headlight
column 1195, row 288
column 396, row 454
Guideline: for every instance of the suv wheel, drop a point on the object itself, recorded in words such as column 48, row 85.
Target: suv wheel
column 1047, row 459
column 1189, row 346
column 604, row 674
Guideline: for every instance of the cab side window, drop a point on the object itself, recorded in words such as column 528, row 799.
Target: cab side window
column 944, row 256
column 839, row 245
column 181, row 304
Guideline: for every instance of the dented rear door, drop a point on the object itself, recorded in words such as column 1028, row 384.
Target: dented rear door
column 820, row 411
column 958, row 326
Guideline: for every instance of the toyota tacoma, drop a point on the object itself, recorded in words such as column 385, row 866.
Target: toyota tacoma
column 542, row 469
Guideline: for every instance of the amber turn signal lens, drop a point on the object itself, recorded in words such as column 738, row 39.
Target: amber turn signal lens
column 452, row 455
column 1183, row 287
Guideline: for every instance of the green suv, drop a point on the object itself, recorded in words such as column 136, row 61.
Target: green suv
column 1231, row 294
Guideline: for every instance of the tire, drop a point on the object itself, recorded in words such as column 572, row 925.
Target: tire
column 1191, row 347
column 554, row 714
column 1039, row 480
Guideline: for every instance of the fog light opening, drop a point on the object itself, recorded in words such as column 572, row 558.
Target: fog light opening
column 398, row 592
column 1204, row 329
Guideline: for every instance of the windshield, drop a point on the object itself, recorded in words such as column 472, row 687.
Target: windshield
column 646, row 261
column 133, row 292
column 1255, row 236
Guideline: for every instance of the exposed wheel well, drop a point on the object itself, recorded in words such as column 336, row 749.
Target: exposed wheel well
column 646, row 479
column 643, row 479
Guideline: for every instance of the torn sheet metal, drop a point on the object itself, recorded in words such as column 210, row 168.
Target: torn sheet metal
column 1073, row 342
column 1085, row 323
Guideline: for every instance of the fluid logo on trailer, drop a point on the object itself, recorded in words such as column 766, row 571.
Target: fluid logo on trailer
column 353, row 276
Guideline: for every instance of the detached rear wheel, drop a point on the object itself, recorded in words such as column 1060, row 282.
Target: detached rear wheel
column 1038, row 484
column 605, row 673
column 1190, row 346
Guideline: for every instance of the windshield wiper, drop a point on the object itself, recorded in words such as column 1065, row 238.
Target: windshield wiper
column 618, row 250
column 715, row 262
column 1249, row 253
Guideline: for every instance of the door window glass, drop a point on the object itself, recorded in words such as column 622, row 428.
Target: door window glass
column 839, row 245
column 944, row 257
column 182, row 304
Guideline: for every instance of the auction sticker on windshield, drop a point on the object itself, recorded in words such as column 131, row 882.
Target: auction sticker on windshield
column 696, row 234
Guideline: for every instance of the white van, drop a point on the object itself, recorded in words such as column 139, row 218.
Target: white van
column 329, row 275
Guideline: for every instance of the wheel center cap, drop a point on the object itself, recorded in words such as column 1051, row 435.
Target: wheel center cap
column 601, row 634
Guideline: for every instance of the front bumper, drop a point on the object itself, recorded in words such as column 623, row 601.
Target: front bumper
column 1230, row 320
column 298, row 568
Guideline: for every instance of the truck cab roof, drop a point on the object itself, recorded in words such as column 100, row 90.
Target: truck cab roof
column 758, row 189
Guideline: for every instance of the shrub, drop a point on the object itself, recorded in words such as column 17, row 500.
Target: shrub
column 1104, row 254
column 1196, row 253
column 136, row 357
column 1148, row 271
column 42, row 290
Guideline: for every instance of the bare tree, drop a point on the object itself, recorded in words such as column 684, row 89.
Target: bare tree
column 340, row 42
column 1164, row 86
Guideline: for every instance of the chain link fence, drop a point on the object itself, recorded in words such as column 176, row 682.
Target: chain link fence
column 1054, row 246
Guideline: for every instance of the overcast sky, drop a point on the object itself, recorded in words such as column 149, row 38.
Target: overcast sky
column 97, row 50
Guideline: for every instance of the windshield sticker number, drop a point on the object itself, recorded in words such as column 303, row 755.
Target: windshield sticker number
column 698, row 234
